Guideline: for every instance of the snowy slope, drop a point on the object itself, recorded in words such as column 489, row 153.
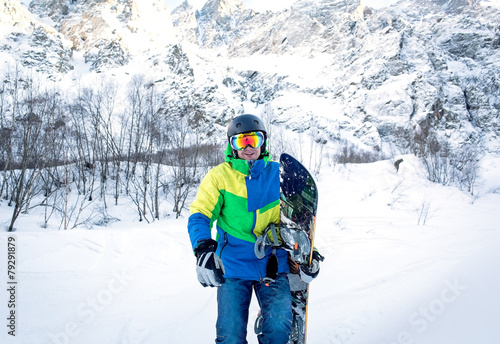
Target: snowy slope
column 385, row 279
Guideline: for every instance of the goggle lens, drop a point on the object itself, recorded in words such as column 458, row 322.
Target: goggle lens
column 254, row 139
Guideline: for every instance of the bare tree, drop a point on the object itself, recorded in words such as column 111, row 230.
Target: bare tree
column 317, row 145
column 465, row 160
column 9, row 92
column 30, row 153
column 183, row 157
column 54, row 176
column 144, row 139
column 137, row 103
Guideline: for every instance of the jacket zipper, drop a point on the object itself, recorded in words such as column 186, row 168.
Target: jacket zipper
column 250, row 165
column 256, row 262
column 224, row 245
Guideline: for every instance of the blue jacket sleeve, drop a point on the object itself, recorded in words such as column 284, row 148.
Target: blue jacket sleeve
column 198, row 229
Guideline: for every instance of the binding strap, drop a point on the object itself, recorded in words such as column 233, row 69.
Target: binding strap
column 264, row 242
column 261, row 245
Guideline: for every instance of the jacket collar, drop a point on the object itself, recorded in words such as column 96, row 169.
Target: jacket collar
column 243, row 166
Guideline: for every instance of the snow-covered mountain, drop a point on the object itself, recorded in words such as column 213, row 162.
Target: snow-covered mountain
column 375, row 77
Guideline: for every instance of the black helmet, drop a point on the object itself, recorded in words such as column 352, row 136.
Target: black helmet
column 245, row 123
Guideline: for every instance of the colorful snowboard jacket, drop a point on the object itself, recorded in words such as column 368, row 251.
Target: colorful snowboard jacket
column 242, row 200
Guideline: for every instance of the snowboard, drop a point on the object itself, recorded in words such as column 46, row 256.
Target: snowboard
column 298, row 204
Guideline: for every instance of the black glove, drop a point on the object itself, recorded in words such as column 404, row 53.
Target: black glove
column 308, row 273
column 208, row 265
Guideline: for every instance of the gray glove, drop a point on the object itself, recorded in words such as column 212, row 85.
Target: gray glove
column 208, row 265
column 308, row 273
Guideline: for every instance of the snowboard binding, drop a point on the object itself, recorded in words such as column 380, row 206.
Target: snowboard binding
column 297, row 243
column 294, row 240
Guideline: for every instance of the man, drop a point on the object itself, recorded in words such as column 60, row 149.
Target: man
column 241, row 196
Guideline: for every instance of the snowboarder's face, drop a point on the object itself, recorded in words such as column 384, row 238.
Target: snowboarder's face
column 249, row 153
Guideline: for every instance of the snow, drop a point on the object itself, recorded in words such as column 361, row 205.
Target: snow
column 386, row 279
column 276, row 5
column 310, row 74
column 494, row 3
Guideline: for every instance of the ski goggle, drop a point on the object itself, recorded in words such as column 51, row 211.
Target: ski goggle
column 255, row 139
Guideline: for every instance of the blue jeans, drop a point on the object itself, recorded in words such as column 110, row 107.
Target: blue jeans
column 233, row 299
